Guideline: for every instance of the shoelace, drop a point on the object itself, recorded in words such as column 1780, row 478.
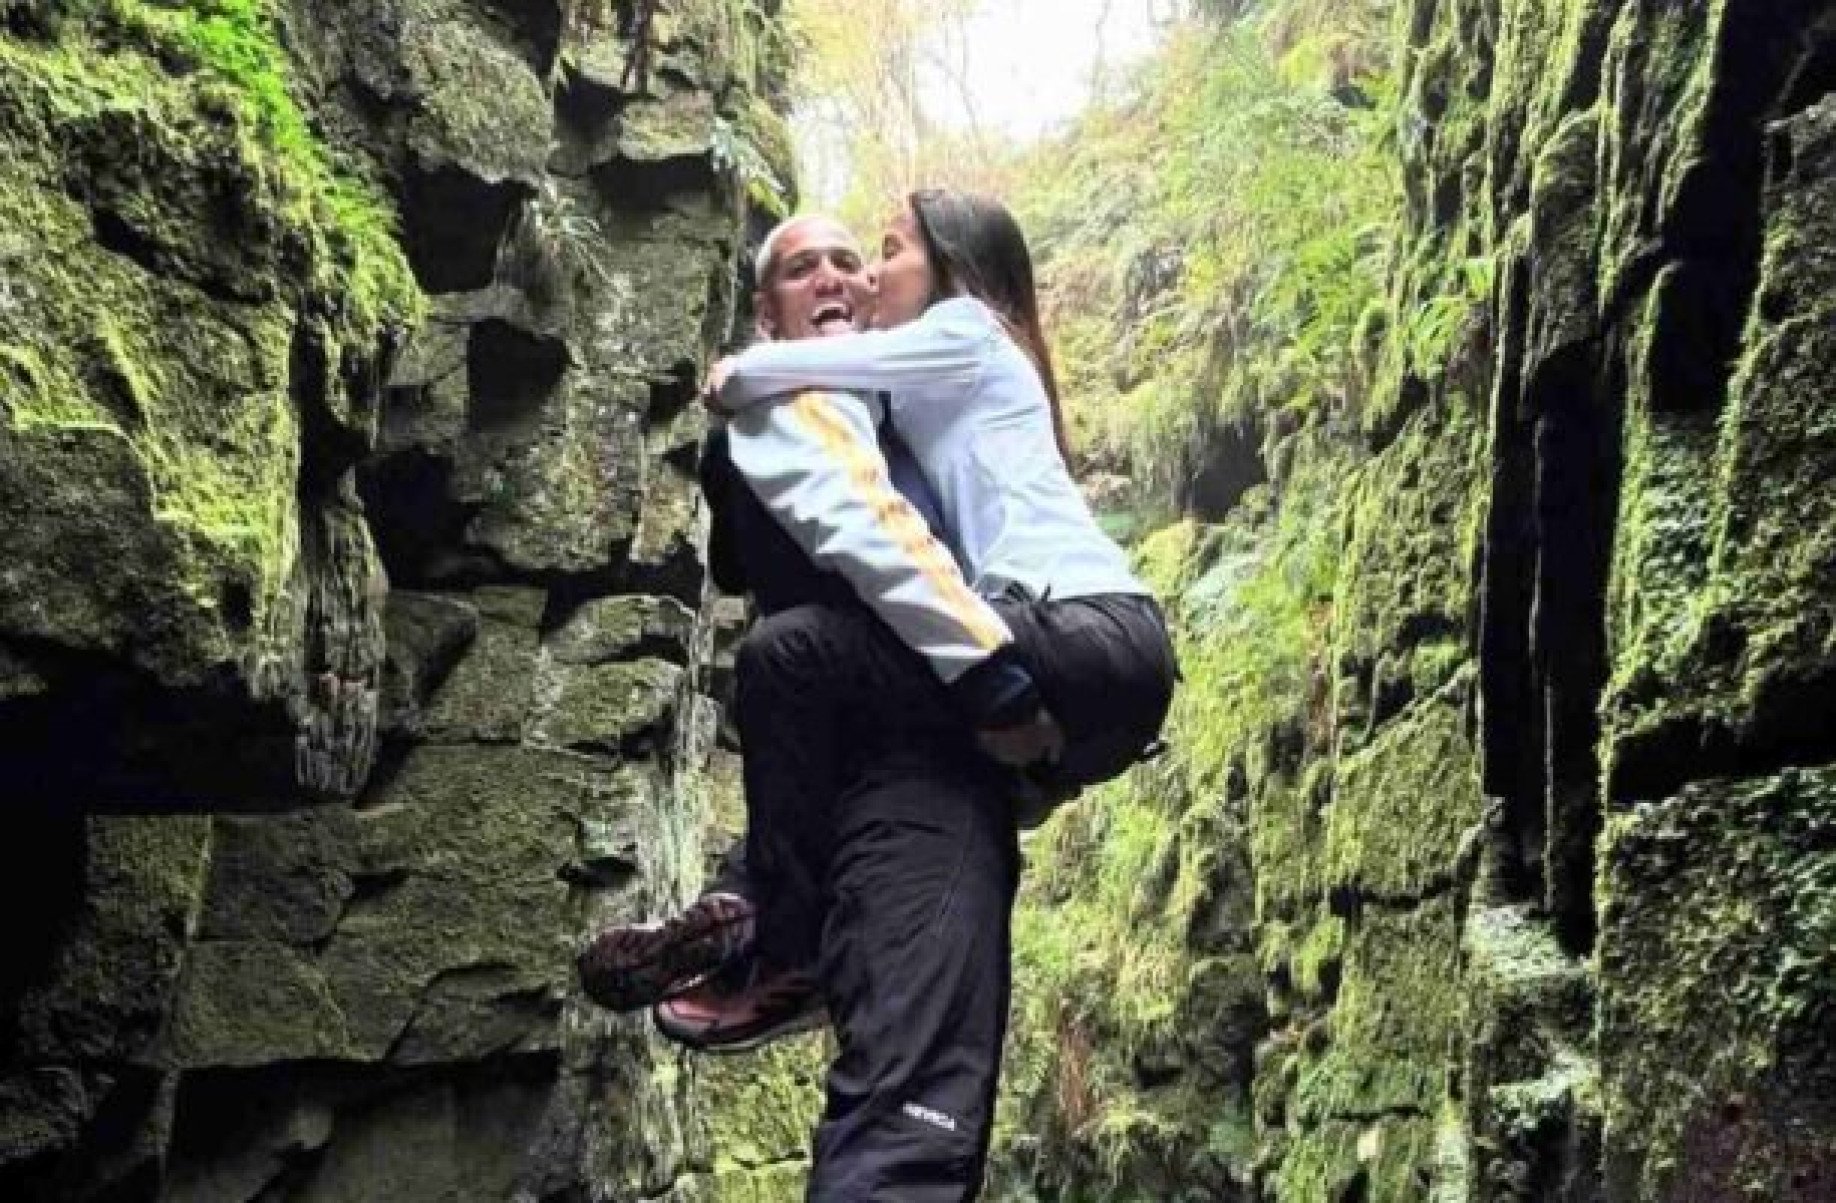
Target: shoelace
column 636, row 951
column 720, row 919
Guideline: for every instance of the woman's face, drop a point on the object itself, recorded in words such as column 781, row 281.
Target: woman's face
column 904, row 270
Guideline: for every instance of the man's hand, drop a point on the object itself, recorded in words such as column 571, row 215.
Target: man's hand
column 717, row 379
column 1039, row 739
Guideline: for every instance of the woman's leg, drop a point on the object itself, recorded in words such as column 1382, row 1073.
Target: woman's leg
column 817, row 688
column 633, row 965
column 1105, row 667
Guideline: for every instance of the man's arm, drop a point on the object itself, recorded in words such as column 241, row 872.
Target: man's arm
column 718, row 479
column 815, row 463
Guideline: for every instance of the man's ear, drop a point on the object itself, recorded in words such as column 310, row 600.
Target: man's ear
column 764, row 316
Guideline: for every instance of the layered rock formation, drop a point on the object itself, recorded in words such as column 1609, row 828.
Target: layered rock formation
column 1531, row 826
column 352, row 633
column 1583, row 880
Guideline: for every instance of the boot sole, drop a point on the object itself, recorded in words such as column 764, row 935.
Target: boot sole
column 808, row 1021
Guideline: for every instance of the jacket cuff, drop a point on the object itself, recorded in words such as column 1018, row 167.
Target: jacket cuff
column 996, row 693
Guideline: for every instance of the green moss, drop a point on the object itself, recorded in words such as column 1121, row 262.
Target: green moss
column 1286, row 826
column 202, row 400
column 1531, row 1002
column 237, row 41
column 112, row 981
column 1393, row 1027
column 227, row 486
column 1541, row 1138
column 1649, row 149
column 762, row 1110
column 604, row 707
column 756, row 146
column 1718, row 971
column 39, row 397
column 1168, row 558
column 1382, row 1161
column 174, row 127
column 1406, row 582
column 1452, row 1171
column 1403, row 804
column 1724, row 598
column 1319, row 955
column 245, row 1003
column 1662, row 546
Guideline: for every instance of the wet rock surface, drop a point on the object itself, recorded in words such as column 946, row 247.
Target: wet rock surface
column 352, row 641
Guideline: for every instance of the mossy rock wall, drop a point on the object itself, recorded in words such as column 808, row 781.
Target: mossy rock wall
column 1508, row 714
column 353, row 631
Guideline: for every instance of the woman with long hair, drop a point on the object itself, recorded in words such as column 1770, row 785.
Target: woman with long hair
column 967, row 376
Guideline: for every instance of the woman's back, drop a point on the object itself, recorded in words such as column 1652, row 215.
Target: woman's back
column 992, row 455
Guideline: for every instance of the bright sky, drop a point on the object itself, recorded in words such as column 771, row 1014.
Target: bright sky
column 1030, row 61
column 1027, row 64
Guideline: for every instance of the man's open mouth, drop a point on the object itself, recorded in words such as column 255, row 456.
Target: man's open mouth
column 833, row 317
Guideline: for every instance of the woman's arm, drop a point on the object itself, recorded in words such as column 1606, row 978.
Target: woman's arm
column 941, row 352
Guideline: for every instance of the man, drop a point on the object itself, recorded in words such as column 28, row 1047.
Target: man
column 898, row 886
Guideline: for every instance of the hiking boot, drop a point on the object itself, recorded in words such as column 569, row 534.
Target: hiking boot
column 736, row 1012
column 638, row 965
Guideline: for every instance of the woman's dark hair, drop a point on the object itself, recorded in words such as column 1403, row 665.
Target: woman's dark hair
column 976, row 249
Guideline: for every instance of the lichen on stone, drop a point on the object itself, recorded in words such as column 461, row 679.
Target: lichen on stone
column 201, row 290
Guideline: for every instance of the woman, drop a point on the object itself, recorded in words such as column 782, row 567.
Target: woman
column 968, row 378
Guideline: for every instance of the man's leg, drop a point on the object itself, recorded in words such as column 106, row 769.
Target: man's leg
column 916, row 970
column 816, row 690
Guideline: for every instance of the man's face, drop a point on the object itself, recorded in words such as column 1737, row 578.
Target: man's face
column 819, row 283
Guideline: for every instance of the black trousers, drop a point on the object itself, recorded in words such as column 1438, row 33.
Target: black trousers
column 882, row 847
column 1105, row 666
column 916, row 966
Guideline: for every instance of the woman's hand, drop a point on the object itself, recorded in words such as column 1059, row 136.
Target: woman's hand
column 717, row 379
column 1037, row 740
